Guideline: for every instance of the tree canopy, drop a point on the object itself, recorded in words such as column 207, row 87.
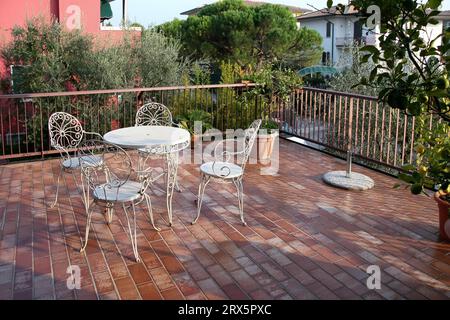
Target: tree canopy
column 229, row 30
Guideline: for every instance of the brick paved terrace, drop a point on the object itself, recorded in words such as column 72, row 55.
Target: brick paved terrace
column 304, row 240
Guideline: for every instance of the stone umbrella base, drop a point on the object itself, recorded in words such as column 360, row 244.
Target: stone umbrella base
column 353, row 181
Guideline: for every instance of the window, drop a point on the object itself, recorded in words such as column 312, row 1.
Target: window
column 18, row 74
column 329, row 29
column 326, row 58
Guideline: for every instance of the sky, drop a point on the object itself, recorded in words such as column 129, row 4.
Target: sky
column 154, row 12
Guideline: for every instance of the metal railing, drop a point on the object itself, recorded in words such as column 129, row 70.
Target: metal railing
column 24, row 117
column 352, row 124
column 345, row 123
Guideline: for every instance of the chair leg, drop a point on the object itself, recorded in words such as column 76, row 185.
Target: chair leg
column 240, row 194
column 133, row 236
column 177, row 186
column 109, row 212
column 88, row 226
column 57, row 188
column 150, row 211
column 204, row 180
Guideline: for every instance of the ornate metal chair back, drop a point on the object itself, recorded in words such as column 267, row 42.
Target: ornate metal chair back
column 104, row 166
column 249, row 139
column 65, row 132
column 153, row 114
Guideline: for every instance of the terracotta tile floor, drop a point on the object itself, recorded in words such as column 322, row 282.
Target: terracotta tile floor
column 305, row 240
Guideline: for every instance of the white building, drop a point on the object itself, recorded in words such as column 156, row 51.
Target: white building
column 338, row 30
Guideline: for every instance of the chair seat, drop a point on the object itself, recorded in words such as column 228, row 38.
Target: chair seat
column 74, row 162
column 224, row 170
column 129, row 191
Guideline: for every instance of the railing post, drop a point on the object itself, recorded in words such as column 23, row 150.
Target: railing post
column 349, row 139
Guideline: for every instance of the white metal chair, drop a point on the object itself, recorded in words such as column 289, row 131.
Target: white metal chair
column 224, row 171
column 113, row 181
column 155, row 114
column 66, row 134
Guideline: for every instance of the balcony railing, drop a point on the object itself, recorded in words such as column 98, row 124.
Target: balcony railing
column 336, row 121
column 340, row 122
column 24, row 117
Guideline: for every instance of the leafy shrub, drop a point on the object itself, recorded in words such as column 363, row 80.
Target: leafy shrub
column 55, row 59
column 351, row 73
column 187, row 120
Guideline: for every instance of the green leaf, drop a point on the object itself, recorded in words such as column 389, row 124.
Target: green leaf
column 416, row 188
column 371, row 49
column 433, row 21
column 434, row 4
column 408, row 167
column 416, row 177
column 373, row 74
column 329, row 3
column 406, row 178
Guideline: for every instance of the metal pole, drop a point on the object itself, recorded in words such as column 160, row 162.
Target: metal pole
column 349, row 140
column 125, row 12
column 349, row 164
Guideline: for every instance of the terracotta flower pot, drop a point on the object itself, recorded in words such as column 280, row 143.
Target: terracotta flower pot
column 195, row 138
column 265, row 144
column 115, row 124
column 444, row 211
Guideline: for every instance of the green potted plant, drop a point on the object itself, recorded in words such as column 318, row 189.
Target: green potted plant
column 276, row 85
column 432, row 168
column 188, row 121
column 414, row 72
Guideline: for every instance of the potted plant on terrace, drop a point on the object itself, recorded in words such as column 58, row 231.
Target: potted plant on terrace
column 267, row 135
column 421, row 91
column 276, row 85
column 432, row 168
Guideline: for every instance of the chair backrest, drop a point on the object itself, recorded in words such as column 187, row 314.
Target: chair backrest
column 235, row 150
column 65, row 131
column 249, row 139
column 104, row 164
column 153, row 114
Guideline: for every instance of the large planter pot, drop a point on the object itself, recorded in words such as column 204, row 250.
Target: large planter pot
column 115, row 124
column 195, row 138
column 444, row 211
column 265, row 143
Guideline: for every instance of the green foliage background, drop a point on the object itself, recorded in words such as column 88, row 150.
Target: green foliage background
column 229, row 30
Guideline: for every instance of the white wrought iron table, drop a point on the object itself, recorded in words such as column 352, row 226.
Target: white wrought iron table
column 155, row 140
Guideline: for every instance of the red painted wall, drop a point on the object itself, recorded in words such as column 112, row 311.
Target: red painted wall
column 18, row 11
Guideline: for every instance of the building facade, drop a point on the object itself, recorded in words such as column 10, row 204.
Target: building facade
column 339, row 30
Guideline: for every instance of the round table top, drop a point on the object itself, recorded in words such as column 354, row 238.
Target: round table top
column 148, row 136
